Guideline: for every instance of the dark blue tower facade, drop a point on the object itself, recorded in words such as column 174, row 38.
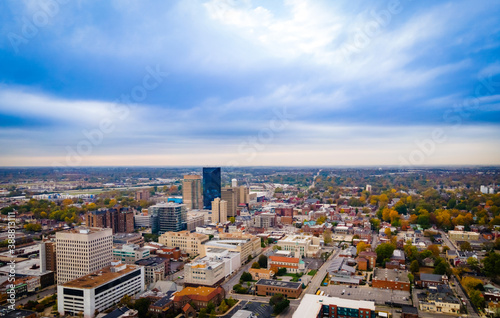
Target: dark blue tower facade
column 211, row 186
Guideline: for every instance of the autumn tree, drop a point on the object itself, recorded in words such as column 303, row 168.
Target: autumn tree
column 362, row 246
column 434, row 249
column 327, row 236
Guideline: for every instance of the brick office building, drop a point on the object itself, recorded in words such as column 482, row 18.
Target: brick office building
column 268, row 287
column 391, row 279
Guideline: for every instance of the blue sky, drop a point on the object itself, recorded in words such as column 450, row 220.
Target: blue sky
column 226, row 82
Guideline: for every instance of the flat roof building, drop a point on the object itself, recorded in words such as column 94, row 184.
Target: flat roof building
column 99, row 290
column 81, row 251
column 313, row 306
column 269, row 287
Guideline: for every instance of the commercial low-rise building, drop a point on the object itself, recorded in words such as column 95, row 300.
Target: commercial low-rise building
column 463, row 236
column 261, row 273
column 130, row 253
column 199, row 296
column 391, row 279
column 155, row 269
column 313, row 306
column 268, row 287
column 439, row 299
column 99, row 290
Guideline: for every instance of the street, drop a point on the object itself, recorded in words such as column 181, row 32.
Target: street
column 47, row 292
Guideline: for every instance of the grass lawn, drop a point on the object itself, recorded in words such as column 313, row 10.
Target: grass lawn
column 312, row 272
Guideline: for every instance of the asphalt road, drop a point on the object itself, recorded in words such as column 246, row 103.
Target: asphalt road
column 235, row 278
column 318, row 278
column 46, row 292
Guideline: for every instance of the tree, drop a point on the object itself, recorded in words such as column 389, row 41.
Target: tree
column 388, row 232
column 255, row 265
column 476, row 298
column 223, row 307
column 142, row 306
column 281, row 271
column 414, row 266
column 232, row 219
column 249, row 258
column 246, row 277
column 361, row 247
column 442, row 267
column 492, row 264
column 465, row 246
column 434, row 249
column 327, row 236
column 263, row 261
column 384, row 251
column 473, row 263
column 411, row 277
column 33, row 227
column 203, row 313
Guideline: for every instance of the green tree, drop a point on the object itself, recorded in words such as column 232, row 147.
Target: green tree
column 232, row 219
column 142, row 306
column 246, row 277
column 414, row 266
column 262, row 261
column 491, row 264
column 384, row 251
column 327, row 236
column 465, row 246
column 203, row 313
column 255, row 265
column 476, row 298
column 411, row 277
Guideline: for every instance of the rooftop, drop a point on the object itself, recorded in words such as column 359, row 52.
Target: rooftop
column 102, row 276
column 277, row 283
column 313, row 303
column 391, row 275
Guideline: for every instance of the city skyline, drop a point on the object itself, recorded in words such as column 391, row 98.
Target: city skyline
column 227, row 83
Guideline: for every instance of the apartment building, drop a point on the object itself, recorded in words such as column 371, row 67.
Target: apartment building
column 120, row 220
column 191, row 243
column 81, row 251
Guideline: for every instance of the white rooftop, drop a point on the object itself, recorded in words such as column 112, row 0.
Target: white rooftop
column 311, row 305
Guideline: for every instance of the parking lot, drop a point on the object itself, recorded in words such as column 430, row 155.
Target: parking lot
column 379, row 296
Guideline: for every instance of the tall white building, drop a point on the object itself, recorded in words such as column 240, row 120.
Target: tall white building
column 82, row 251
column 234, row 183
column 219, row 211
column 99, row 290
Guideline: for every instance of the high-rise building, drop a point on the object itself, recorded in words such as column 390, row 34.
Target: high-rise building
column 120, row 220
column 230, row 196
column 48, row 256
column 172, row 217
column 234, row 183
column 211, row 186
column 142, row 194
column 242, row 195
column 82, row 251
column 219, row 211
column 191, row 192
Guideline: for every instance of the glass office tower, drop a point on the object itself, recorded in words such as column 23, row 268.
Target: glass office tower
column 211, row 186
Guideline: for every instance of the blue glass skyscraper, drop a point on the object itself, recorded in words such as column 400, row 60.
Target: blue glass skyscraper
column 211, row 186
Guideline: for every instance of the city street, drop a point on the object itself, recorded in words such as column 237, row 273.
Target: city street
column 44, row 293
column 318, row 278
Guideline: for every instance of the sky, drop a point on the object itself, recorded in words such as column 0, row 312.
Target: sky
column 249, row 83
